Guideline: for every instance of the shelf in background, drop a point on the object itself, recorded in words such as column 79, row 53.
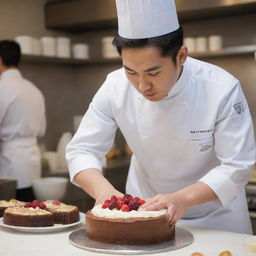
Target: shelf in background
column 229, row 51
column 67, row 61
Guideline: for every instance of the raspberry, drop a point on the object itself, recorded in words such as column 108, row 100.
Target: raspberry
column 127, row 198
column 119, row 204
column 56, row 202
column 137, row 199
column 42, row 205
column 105, row 205
column 112, row 204
column 34, row 204
column 119, row 199
column 142, row 202
column 133, row 205
column 125, row 208
column 113, row 197
column 27, row 205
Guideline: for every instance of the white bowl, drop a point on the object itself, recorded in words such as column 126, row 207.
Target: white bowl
column 50, row 188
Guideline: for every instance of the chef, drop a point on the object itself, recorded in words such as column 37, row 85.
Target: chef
column 186, row 121
column 22, row 120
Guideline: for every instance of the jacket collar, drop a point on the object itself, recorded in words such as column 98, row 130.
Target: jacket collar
column 10, row 73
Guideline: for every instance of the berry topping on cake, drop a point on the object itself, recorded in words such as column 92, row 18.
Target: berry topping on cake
column 35, row 204
column 56, row 202
column 125, row 208
column 126, row 203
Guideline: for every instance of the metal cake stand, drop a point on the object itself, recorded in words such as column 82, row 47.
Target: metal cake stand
column 79, row 239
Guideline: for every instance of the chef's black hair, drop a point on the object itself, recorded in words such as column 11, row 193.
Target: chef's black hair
column 10, row 53
column 169, row 44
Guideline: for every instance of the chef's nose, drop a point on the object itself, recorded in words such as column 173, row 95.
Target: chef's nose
column 144, row 85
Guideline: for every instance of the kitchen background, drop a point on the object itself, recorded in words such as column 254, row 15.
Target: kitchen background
column 69, row 85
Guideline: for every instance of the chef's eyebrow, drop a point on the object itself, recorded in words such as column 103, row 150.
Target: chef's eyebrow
column 146, row 70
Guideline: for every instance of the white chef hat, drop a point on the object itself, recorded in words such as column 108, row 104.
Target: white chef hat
column 139, row 19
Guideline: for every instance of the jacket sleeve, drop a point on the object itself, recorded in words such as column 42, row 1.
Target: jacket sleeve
column 5, row 100
column 43, row 121
column 94, row 136
column 234, row 146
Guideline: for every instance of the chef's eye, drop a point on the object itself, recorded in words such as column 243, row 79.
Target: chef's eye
column 130, row 72
column 154, row 74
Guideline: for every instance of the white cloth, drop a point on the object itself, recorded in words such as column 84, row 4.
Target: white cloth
column 202, row 131
column 22, row 120
column 139, row 19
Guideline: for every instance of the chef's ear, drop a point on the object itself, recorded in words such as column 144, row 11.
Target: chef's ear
column 182, row 55
column 1, row 63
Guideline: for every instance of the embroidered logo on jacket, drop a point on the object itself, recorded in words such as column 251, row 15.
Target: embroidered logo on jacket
column 239, row 108
column 201, row 131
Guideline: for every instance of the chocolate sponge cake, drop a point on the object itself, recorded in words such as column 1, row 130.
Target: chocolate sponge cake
column 63, row 213
column 118, row 221
column 12, row 203
column 28, row 217
column 129, row 230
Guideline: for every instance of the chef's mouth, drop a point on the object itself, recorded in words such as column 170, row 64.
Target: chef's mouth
column 149, row 94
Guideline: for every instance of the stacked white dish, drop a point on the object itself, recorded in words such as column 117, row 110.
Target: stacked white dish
column 29, row 45
column 80, row 51
column 203, row 44
column 63, row 47
column 108, row 50
column 48, row 46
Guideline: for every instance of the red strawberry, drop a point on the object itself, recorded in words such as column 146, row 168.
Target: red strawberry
column 133, row 205
column 125, row 208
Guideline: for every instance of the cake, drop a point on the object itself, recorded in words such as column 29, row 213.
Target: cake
column 12, row 203
column 118, row 221
column 63, row 213
column 28, row 217
column 40, row 214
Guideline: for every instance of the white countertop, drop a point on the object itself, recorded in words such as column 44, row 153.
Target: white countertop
column 208, row 242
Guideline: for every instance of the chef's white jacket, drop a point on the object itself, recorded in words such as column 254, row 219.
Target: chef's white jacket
column 22, row 120
column 202, row 131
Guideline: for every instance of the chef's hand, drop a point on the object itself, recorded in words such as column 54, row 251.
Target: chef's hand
column 178, row 202
column 96, row 185
column 175, row 207
column 107, row 195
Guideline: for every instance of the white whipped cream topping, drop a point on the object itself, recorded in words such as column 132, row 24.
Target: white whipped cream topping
column 116, row 214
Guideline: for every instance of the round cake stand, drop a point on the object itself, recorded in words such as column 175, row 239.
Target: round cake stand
column 79, row 239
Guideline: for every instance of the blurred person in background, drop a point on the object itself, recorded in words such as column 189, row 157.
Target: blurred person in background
column 22, row 120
